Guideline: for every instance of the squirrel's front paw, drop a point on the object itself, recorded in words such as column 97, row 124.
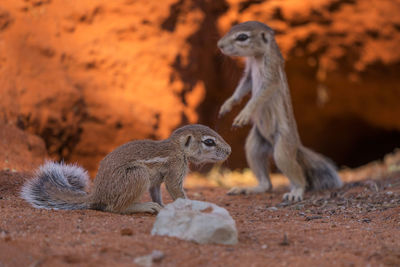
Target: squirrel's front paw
column 226, row 107
column 242, row 119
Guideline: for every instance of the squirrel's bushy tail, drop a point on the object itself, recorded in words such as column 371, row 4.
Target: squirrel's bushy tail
column 58, row 186
column 320, row 173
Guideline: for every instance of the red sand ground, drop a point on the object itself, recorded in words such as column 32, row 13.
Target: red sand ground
column 358, row 225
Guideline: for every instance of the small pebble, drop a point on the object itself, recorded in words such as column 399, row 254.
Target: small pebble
column 147, row 260
column 126, row 231
column 285, row 241
column 309, row 218
column 157, row 255
column 366, row 220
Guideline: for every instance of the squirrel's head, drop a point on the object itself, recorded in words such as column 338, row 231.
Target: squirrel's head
column 248, row 39
column 201, row 144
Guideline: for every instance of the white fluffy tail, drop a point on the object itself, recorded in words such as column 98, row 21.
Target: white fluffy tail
column 57, row 186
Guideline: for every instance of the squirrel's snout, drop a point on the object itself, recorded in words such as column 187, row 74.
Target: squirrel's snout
column 220, row 44
column 229, row 150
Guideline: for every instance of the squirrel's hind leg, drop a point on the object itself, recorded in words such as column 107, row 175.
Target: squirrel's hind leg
column 285, row 159
column 258, row 150
column 133, row 180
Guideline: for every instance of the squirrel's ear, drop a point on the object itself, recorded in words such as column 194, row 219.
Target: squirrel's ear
column 186, row 140
column 264, row 37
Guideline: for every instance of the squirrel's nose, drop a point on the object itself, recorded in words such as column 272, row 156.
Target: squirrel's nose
column 220, row 45
column 229, row 150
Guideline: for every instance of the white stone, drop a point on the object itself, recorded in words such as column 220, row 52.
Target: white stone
column 147, row 260
column 197, row 221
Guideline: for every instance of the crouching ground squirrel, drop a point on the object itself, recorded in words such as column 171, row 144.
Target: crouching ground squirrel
column 270, row 110
column 126, row 173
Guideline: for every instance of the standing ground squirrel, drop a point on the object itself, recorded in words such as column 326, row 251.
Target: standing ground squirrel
column 274, row 129
column 126, row 173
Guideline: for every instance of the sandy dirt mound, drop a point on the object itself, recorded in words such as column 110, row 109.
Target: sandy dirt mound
column 19, row 150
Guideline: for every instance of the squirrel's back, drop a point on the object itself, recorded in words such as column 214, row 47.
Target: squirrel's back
column 57, row 186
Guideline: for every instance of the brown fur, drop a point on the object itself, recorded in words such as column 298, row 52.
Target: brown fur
column 274, row 131
column 128, row 172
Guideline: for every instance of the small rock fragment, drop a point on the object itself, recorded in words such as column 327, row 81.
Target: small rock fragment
column 126, row 231
column 5, row 235
column 366, row 220
column 285, row 241
column 309, row 218
column 147, row 260
column 372, row 186
column 157, row 255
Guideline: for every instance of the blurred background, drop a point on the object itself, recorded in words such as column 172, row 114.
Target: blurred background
column 78, row 78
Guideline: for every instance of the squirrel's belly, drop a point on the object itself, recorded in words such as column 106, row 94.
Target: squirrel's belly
column 265, row 120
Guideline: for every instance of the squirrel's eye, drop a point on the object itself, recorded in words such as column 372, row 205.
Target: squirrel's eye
column 209, row 142
column 242, row 37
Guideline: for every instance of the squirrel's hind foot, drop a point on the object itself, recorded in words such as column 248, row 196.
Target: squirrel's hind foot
column 295, row 195
column 146, row 207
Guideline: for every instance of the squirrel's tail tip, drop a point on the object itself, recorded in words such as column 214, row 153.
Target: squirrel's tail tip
column 57, row 186
column 27, row 193
column 320, row 172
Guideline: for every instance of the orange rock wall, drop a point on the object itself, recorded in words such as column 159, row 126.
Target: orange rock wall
column 20, row 151
column 90, row 75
